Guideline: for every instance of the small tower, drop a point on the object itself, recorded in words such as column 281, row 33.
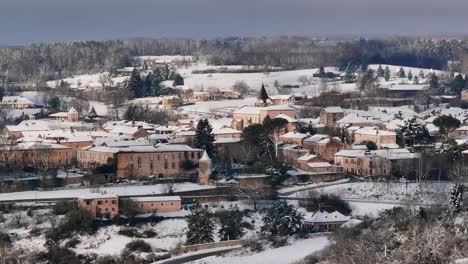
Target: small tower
column 205, row 167
column 72, row 115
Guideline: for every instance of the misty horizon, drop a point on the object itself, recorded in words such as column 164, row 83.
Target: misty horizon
column 27, row 21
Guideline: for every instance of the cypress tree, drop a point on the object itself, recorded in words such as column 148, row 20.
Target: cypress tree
column 178, row 80
column 204, row 137
column 410, row 75
column 263, row 94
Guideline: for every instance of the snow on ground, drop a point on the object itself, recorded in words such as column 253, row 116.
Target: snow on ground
column 396, row 68
column 225, row 106
column 369, row 209
column 100, row 107
column 107, row 241
column 296, row 251
column 130, row 190
column 225, row 81
column 87, row 79
column 425, row 193
column 310, row 186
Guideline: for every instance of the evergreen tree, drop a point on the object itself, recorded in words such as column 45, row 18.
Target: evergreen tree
column 148, row 85
column 92, row 113
column 433, row 81
column 446, row 123
column 457, row 84
column 204, row 137
column 415, row 80
column 413, row 132
column 410, row 75
column 263, row 94
column 380, row 71
column 282, row 219
column 178, row 80
column 200, row 225
column 231, row 224
column 54, row 104
column 2, row 93
column 348, row 78
column 135, row 84
column 387, row 74
column 421, row 74
column 367, row 81
column 401, row 73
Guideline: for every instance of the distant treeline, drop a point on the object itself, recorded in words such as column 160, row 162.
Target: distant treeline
column 37, row 63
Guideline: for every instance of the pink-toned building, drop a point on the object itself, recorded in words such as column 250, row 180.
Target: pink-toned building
column 324, row 146
column 247, row 116
column 329, row 116
column 100, row 204
column 141, row 161
column 381, row 138
column 158, row 204
column 293, row 138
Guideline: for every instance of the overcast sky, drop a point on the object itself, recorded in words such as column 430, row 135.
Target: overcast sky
column 26, row 21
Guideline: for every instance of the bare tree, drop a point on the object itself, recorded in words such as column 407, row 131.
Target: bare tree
column 254, row 193
column 241, row 87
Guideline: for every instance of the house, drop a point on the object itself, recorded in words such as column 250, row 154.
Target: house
column 322, row 221
column 464, row 95
column 324, row 146
column 157, row 204
column 70, row 116
column 330, row 115
column 36, row 155
column 248, row 115
column 375, row 163
column 16, row 102
column 282, row 99
column 381, row 138
column 162, row 160
column 100, row 204
column 289, row 153
column 293, row 138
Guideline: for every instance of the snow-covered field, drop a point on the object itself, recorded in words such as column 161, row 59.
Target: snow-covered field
column 130, row 190
column 295, row 251
column 391, row 192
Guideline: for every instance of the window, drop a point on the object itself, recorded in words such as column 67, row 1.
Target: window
column 173, row 165
column 105, row 201
column 113, row 201
column 87, row 202
column 113, row 209
column 99, row 202
column 172, row 203
column 139, row 162
column 161, row 204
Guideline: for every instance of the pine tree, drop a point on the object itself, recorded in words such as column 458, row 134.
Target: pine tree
column 410, row 75
column 148, row 85
column 200, row 226
column 433, row 81
column 380, row 71
column 204, row 137
column 457, row 84
column 178, row 80
column 92, row 113
column 421, row 74
column 2, row 93
column 282, row 219
column 387, row 74
column 401, row 73
column 231, row 224
column 263, row 94
column 135, row 84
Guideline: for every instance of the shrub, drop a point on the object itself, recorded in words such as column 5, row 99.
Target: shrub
column 35, row 232
column 149, row 233
column 62, row 208
column 72, row 243
column 313, row 204
column 138, row 245
column 128, row 232
column 59, row 255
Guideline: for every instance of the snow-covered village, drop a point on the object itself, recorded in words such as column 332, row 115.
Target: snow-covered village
column 209, row 149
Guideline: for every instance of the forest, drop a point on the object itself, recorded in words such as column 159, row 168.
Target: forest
column 36, row 63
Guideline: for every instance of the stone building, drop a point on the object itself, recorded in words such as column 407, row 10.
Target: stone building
column 100, row 204
column 329, row 116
